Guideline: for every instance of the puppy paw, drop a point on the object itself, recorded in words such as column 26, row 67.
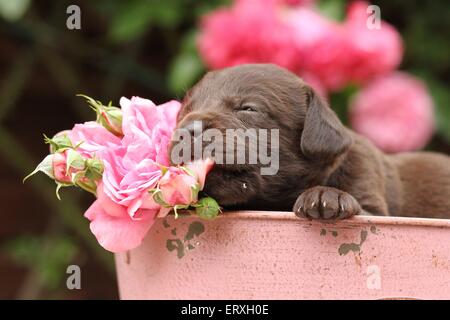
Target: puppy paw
column 326, row 203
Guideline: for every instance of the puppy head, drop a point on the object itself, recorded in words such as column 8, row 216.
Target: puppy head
column 260, row 96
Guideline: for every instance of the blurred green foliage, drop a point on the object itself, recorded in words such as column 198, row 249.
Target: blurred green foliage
column 48, row 257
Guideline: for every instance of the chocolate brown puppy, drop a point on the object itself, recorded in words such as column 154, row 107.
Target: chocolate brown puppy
column 326, row 171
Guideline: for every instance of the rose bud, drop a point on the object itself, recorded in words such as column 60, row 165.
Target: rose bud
column 88, row 178
column 178, row 187
column 66, row 164
column 207, row 208
column 60, row 141
column 108, row 116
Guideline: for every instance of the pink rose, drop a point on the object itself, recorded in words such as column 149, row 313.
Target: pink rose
column 134, row 167
column 125, row 209
column 111, row 223
column 395, row 112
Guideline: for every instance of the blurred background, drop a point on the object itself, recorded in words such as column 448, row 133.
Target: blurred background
column 390, row 84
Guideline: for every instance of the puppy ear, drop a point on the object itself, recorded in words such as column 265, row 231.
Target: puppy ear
column 324, row 137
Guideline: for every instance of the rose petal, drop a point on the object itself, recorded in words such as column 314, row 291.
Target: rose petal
column 118, row 234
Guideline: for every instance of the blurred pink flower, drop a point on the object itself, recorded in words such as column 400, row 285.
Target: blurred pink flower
column 322, row 47
column 301, row 39
column 251, row 31
column 374, row 52
column 338, row 54
column 395, row 112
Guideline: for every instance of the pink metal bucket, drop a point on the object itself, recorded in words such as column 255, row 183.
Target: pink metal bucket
column 275, row 255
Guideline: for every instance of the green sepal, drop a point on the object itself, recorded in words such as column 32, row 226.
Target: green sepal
column 74, row 160
column 60, row 185
column 94, row 169
column 58, row 143
column 46, row 166
column 157, row 196
column 178, row 207
column 188, row 171
column 85, row 184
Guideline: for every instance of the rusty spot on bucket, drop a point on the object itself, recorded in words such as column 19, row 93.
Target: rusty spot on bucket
column 127, row 257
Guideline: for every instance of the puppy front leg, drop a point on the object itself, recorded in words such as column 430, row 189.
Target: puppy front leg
column 326, row 203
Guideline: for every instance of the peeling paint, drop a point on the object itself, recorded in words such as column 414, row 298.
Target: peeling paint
column 347, row 247
column 166, row 224
column 196, row 228
column 323, row 232
column 354, row 247
column 374, row 229
column 363, row 237
column 176, row 244
column 334, row 233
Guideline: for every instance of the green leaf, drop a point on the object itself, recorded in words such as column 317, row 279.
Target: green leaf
column 13, row 10
column 46, row 166
column 133, row 18
column 441, row 98
column 48, row 257
column 184, row 72
column 186, row 67
column 334, row 9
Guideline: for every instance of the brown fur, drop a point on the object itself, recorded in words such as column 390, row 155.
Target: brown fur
column 326, row 170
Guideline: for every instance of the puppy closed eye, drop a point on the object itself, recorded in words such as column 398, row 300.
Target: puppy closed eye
column 246, row 108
